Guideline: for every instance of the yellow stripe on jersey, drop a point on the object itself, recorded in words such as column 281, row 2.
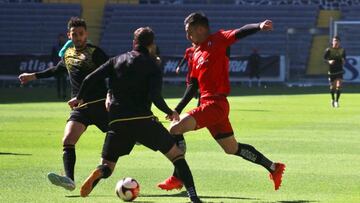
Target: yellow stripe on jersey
column 87, row 103
column 130, row 119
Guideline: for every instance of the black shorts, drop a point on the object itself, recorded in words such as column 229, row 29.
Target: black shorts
column 332, row 78
column 92, row 114
column 123, row 135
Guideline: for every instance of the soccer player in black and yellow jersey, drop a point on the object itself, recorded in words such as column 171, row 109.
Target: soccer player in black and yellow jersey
column 335, row 56
column 135, row 80
column 79, row 61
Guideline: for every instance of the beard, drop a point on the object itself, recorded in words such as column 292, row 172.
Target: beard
column 79, row 44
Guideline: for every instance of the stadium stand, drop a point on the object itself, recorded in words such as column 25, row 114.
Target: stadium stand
column 167, row 21
column 30, row 28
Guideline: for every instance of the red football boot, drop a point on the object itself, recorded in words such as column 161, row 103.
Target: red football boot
column 276, row 176
column 171, row 183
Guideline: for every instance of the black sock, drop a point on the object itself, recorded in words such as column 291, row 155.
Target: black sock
column 180, row 142
column 332, row 92
column 338, row 93
column 175, row 174
column 249, row 153
column 185, row 175
column 105, row 173
column 69, row 159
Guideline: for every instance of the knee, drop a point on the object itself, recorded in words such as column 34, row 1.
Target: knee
column 67, row 141
column 175, row 129
column 174, row 153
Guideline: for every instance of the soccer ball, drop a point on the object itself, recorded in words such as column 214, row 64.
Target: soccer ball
column 127, row 189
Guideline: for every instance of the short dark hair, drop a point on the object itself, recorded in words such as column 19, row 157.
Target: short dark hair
column 76, row 22
column 144, row 36
column 195, row 19
column 337, row 38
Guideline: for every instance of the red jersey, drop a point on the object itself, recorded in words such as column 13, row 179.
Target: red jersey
column 188, row 56
column 210, row 65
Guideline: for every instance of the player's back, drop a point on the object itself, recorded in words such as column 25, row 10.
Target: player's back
column 136, row 75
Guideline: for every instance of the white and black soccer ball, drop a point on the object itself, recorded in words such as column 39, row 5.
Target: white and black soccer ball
column 127, row 189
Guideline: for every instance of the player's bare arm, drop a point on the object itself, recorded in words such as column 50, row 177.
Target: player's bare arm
column 27, row 77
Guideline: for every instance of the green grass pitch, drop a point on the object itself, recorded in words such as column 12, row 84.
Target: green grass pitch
column 319, row 144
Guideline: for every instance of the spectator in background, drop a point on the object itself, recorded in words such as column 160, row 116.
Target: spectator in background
column 61, row 81
column 335, row 57
column 253, row 67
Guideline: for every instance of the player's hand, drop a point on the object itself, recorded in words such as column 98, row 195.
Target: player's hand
column 74, row 102
column 331, row 62
column 26, row 77
column 173, row 117
column 266, row 25
column 108, row 101
column 177, row 70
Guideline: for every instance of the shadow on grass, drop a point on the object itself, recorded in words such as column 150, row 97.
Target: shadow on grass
column 15, row 154
column 96, row 196
column 184, row 194
column 289, row 201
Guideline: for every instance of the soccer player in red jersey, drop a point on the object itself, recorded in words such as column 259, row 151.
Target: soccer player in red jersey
column 210, row 74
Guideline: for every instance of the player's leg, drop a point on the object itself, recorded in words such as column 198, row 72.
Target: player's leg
column 186, row 123
column 162, row 140
column 207, row 113
column 250, row 80
column 116, row 144
column 246, row 151
column 332, row 90
column 258, row 79
column 103, row 171
column 338, row 86
column 176, row 156
column 177, row 129
column 229, row 144
column 72, row 133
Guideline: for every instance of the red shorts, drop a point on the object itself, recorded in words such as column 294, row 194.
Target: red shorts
column 213, row 113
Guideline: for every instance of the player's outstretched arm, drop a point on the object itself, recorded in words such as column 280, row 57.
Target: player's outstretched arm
column 250, row 29
column 26, row 77
column 50, row 72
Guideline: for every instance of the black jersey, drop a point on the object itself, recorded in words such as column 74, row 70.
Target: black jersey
column 79, row 64
column 135, row 80
column 338, row 55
